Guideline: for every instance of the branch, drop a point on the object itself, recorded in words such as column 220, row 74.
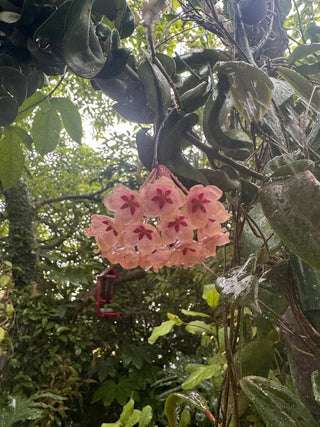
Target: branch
column 89, row 196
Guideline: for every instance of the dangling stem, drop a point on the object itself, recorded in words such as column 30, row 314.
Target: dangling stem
column 155, row 162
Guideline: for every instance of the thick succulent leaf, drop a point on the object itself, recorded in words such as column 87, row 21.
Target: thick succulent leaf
column 233, row 147
column 50, row 34
column 240, row 286
column 250, row 243
column 256, row 357
column 110, row 8
column 8, row 110
column 70, row 117
column 45, row 131
column 250, row 87
column 124, row 22
column 11, row 160
column 168, row 63
column 307, row 284
column 302, row 86
column 81, row 47
column 134, row 112
column 292, row 207
column 198, row 59
column 156, row 87
column 115, row 64
column 195, row 98
column 275, row 403
column 302, row 51
column 13, row 83
column 273, row 288
column 281, row 91
column 174, row 401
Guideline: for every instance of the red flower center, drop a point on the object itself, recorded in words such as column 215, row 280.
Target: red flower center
column 162, row 197
column 130, row 202
column 176, row 224
column 198, row 203
column 109, row 228
column 143, row 232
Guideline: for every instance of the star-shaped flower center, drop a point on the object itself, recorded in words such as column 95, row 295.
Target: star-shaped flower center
column 109, row 227
column 162, row 197
column 143, row 232
column 198, row 203
column 179, row 221
column 130, row 202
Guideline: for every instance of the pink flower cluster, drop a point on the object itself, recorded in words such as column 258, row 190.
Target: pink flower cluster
column 162, row 224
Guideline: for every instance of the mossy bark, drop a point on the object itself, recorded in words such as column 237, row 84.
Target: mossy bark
column 23, row 249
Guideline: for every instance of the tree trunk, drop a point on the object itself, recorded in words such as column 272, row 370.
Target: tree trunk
column 23, row 250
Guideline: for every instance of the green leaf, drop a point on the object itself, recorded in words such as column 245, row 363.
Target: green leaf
column 302, row 86
column 18, row 134
column 303, row 50
column 175, row 400
column 292, row 207
column 145, row 416
column 45, row 131
column 37, row 99
column 174, row 318
column 203, row 372
column 11, row 161
column 13, row 83
column 185, row 418
column 275, row 403
column 315, row 381
column 198, row 327
column 127, row 411
column 106, row 393
column 211, row 295
column 70, row 117
column 161, row 330
column 193, row 313
column 2, row 334
column 250, row 88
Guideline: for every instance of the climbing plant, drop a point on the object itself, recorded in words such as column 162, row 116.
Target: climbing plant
column 225, row 96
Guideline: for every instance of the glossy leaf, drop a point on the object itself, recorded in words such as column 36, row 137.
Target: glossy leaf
column 45, row 131
column 302, row 86
column 275, row 403
column 156, row 87
column 204, row 372
column 70, row 117
column 175, row 400
column 198, row 327
column 14, row 83
column 292, row 206
column 11, row 160
column 81, row 48
column 250, row 88
column 193, row 313
column 8, row 110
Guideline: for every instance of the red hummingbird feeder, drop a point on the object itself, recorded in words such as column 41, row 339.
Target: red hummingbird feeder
column 104, row 297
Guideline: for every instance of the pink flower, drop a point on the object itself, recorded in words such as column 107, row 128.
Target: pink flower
column 162, row 198
column 188, row 254
column 211, row 242
column 156, row 259
column 177, row 228
column 126, row 204
column 124, row 255
column 105, row 231
column 144, row 236
column 200, row 204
